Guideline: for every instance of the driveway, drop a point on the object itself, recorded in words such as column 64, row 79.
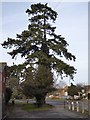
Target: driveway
column 57, row 112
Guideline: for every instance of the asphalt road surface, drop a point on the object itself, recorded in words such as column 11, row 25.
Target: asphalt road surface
column 57, row 112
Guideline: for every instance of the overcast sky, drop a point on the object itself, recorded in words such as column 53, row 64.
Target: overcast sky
column 71, row 23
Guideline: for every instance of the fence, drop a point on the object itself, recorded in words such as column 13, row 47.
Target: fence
column 78, row 106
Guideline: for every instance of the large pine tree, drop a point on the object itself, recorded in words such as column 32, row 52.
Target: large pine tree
column 39, row 44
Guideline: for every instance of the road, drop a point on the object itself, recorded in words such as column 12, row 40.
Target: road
column 85, row 104
column 52, row 102
column 57, row 112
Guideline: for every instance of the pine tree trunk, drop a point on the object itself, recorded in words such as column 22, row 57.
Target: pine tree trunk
column 40, row 100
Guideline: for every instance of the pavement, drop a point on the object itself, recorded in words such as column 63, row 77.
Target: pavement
column 58, row 111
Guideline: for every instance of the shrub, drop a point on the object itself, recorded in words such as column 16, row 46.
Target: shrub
column 89, row 96
column 8, row 94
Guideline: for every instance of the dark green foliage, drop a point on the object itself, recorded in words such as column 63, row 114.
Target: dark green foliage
column 34, row 43
column 38, row 83
column 12, row 80
column 74, row 90
column 8, row 94
column 40, row 45
column 89, row 96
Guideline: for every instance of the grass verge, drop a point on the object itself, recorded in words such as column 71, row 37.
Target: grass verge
column 33, row 107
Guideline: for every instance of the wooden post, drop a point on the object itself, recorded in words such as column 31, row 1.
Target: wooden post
column 69, row 105
column 64, row 104
column 13, row 102
column 73, row 106
column 82, row 107
column 27, row 101
column 77, row 106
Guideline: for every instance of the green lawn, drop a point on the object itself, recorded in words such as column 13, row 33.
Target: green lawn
column 33, row 107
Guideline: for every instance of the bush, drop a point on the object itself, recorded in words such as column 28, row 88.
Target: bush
column 89, row 96
column 8, row 94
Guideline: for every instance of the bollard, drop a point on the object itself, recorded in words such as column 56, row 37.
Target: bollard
column 72, row 105
column 13, row 102
column 27, row 101
column 64, row 104
column 69, row 106
column 82, row 107
column 67, row 103
column 77, row 106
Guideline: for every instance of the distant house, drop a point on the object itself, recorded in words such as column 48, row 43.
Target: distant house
column 59, row 93
column 63, row 91
column 87, row 89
